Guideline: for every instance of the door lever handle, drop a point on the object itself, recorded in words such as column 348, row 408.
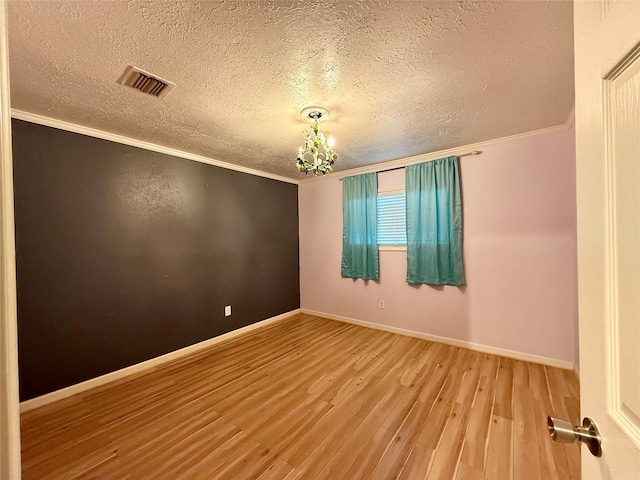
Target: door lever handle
column 563, row 431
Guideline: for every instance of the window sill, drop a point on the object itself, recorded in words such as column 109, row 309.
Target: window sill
column 392, row 248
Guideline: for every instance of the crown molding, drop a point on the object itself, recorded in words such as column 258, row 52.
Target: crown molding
column 395, row 163
column 133, row 142
column 426, row 157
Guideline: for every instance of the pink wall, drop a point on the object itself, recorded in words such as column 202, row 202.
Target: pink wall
column 519, row 254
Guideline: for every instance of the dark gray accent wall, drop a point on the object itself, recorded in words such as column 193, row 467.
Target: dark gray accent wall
column 125, row 254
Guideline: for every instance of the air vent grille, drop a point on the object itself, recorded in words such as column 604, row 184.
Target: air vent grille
column 145, row 82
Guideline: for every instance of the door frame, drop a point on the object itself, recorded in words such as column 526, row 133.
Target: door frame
column 10, row 467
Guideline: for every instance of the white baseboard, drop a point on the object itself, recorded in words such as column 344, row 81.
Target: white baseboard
column 503, row 352
column 153, row 362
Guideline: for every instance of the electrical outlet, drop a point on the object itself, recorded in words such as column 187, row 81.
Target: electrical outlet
column 227, row 311
column 380, row 303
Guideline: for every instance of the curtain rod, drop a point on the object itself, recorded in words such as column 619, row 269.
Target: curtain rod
column 474, row 152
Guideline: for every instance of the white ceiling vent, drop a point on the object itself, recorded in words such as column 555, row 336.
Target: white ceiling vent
column 145, row 82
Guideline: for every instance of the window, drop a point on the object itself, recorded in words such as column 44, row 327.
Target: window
column 391, row 221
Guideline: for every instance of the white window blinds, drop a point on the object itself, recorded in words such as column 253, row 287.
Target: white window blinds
column 392, row 226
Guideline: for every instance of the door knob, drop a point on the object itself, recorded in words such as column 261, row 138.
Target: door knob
column 563, row 431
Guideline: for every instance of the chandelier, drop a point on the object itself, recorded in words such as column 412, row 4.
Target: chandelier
column 317, row 154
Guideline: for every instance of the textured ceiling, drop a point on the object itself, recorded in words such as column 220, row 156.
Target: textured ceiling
column 400, row 78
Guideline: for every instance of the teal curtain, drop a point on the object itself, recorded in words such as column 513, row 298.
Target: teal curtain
column 434, row 223
column 359, row 234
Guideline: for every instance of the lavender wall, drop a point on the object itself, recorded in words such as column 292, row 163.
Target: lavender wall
column 519, row 254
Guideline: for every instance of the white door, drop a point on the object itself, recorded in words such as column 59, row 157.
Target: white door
column 607, row 62
column 9, row 415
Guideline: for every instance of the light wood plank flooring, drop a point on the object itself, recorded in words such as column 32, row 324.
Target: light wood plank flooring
column 311, row 398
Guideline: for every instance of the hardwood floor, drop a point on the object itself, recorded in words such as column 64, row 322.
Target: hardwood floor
column 311, row 398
